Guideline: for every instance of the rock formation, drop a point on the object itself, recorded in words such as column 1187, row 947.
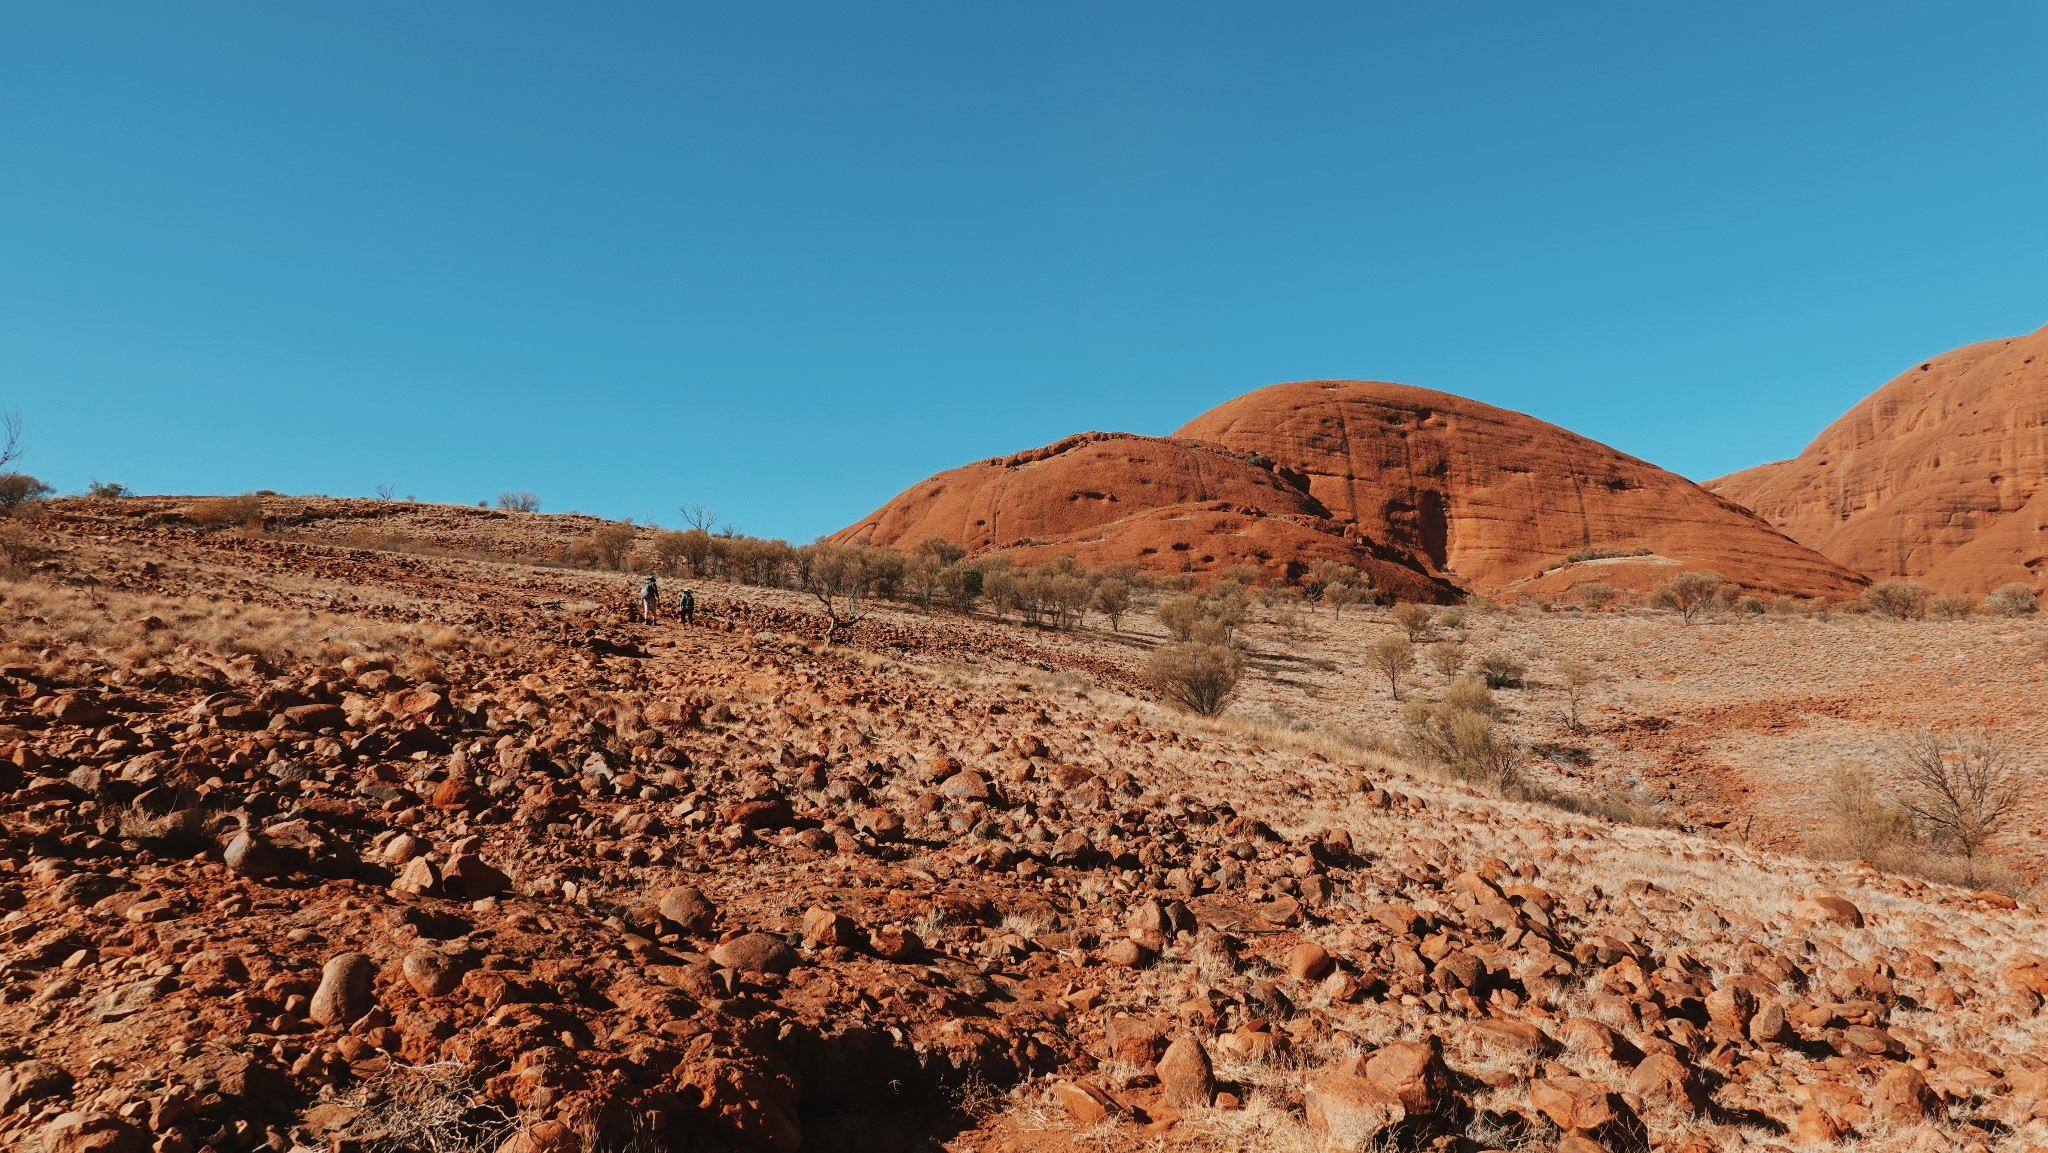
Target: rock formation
column 1428, row 492
column 1941, row 475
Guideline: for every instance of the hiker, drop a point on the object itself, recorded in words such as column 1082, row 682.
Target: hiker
column 650, row 599
column 686, row 607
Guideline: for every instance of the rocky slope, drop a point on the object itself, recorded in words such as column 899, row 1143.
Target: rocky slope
column 1941, row 475
column 307, row 843
column 1430, row 493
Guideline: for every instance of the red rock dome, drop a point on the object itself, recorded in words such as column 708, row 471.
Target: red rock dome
column 1941, row 475
column 1495, row 500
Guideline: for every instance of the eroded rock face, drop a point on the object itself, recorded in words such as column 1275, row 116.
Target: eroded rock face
column 1169, row 505
column 1941, row 475
column 1492, row 499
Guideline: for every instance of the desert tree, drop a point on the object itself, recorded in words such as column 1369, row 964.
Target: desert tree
column 1689, row 594
column 1200, row 677
column 10, row 437
column 520, row 501
column 1413, row 619
column 1446, row 657
column 1577, row 677
column 961, row 585
column 386, row 490
column 1898, row 599
column 946, row 552
column 841, row 578
column 921, row 579
column 1961, row 789
column 1339, row 595
column 701, row 517
column 1113, row 600
column 1393, row 655
column 1500, row 670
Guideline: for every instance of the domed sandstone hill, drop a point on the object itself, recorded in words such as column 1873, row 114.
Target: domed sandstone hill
column 1941, row 475
column 1497, row 501
column 1112, row 498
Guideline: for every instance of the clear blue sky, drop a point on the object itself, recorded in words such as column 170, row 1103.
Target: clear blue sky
column 786, row 260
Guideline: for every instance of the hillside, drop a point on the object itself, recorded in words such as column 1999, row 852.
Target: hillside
column 308, row 841
column 1431, row 494
column 1941, row 475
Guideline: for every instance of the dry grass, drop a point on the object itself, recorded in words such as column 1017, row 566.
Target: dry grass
column 62, row 622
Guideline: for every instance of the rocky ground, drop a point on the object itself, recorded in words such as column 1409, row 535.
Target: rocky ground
column 308, row 843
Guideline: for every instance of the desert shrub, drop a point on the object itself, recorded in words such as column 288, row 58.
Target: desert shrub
column 1393, row 655
column 1180, row 615
column 1950, row 606
column 18, row 489
column 1603, row 552
column 1344, row 594
column 1212, row 619
column 1501, row 670
column 1451, row 618
column 1470, row 744
column 226, row 512
column 608, row 546
column 1470, row 694
column 1446, row 657
column 1577, row 677
column 108, row 490
column 843, row 577
column 960, row 586
column 920, row 585
column 1689, row 593
column 1861, row 819
column 1752, row 605
column 1596, row 595
column 942, row 550
column 1412, row 619
column 1113, row 600
column 521, row 501
column 1896, row 599
column 2012, row 600
column 1199, row 677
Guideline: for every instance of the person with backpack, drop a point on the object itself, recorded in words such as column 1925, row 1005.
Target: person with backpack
column 650, row 600
column 686, row 607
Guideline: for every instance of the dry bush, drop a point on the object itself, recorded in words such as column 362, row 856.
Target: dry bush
column 1472, row 695
column 520, row 501
column 436, row 1108
column 21, row 545
column 1689, row 593
column 1577, row 676
column 1113, row 600
column 1199, row 677
column 1596, row 595
column 2012, row 600
column 1950, row 606
column 226, row 512
column 1961, row 790
column 1470, row 744
column 1446, row 657
column 1412, row 619
column 1604, row 552
column 1899, row 600
column 1501, row 670
column 1393, row 656
column 1861, row 821
column 18, row 489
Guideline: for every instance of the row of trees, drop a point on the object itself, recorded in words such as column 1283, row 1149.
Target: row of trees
column 1695, row 593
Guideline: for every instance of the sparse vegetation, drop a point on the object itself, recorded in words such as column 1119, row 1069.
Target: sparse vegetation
column 108, row 490
column 1447, row 657
column 520, row 501
column 18, row 489
column 1960, row 789
column 2012, row 600
column 1577, row 677
column 1604, row 552
column 1197, row 675
column 1899, row 600
column 1393, row 655
column 1113, row 600
column 1950, row 606
column 1501, row 670
column 226, row 512
column 1412, row 619
column 1596, row 595
column 1461, row 734
column 1689, row 593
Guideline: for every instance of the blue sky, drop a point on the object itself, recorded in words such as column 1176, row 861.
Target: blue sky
column 788, row 259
